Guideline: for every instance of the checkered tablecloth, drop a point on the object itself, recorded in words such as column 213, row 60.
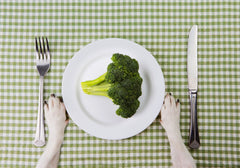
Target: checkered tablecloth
column 162, row 27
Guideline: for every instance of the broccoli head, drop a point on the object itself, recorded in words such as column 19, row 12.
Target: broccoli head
column 121, row 83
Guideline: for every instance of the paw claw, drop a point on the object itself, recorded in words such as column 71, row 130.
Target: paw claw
column 46, row 107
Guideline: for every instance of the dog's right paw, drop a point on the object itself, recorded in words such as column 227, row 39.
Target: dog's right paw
column 170, row 113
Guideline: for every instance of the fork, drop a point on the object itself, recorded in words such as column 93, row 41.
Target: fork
column 43, row 65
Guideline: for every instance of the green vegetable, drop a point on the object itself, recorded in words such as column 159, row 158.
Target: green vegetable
column 121, row 83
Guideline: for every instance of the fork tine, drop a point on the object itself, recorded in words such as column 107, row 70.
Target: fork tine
column 38, row 54
column 40, row 46
column 47, row 45
column 44, row 50
column 48, row 50
column 36, row 44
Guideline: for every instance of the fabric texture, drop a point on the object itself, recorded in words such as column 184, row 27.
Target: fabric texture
column 161, row 27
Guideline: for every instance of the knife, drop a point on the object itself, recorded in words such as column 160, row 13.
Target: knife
column 192, row 71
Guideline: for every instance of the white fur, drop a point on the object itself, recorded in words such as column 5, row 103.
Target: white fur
column 170, row 118
column 55, row 114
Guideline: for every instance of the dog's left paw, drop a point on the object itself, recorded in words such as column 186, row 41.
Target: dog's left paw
column 55, row 114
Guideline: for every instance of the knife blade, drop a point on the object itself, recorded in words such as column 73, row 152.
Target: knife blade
column 192, row 71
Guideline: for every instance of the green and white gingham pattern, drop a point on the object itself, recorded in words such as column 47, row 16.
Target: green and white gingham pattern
column 160, row 26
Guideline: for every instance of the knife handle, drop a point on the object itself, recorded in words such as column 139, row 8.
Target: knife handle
column 194, row 141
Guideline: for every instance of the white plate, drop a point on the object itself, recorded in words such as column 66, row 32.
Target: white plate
column 96, row 114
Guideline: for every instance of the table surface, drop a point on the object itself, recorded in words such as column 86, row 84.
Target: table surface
column 162, row 28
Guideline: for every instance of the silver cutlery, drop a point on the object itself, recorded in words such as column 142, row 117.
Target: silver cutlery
column 192, row 71
column 43, row 65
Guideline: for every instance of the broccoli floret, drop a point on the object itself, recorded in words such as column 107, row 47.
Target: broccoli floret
column 126, row 110
column 121, row 83
column 122, row 67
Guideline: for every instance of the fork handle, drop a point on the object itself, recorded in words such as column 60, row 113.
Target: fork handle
column 40, row 133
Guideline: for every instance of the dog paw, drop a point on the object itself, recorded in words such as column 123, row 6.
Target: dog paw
column 170, row 113
column 55, row 114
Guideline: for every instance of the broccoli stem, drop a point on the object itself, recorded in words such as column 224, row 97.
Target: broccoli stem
column 97, row 86
column 96, row 81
